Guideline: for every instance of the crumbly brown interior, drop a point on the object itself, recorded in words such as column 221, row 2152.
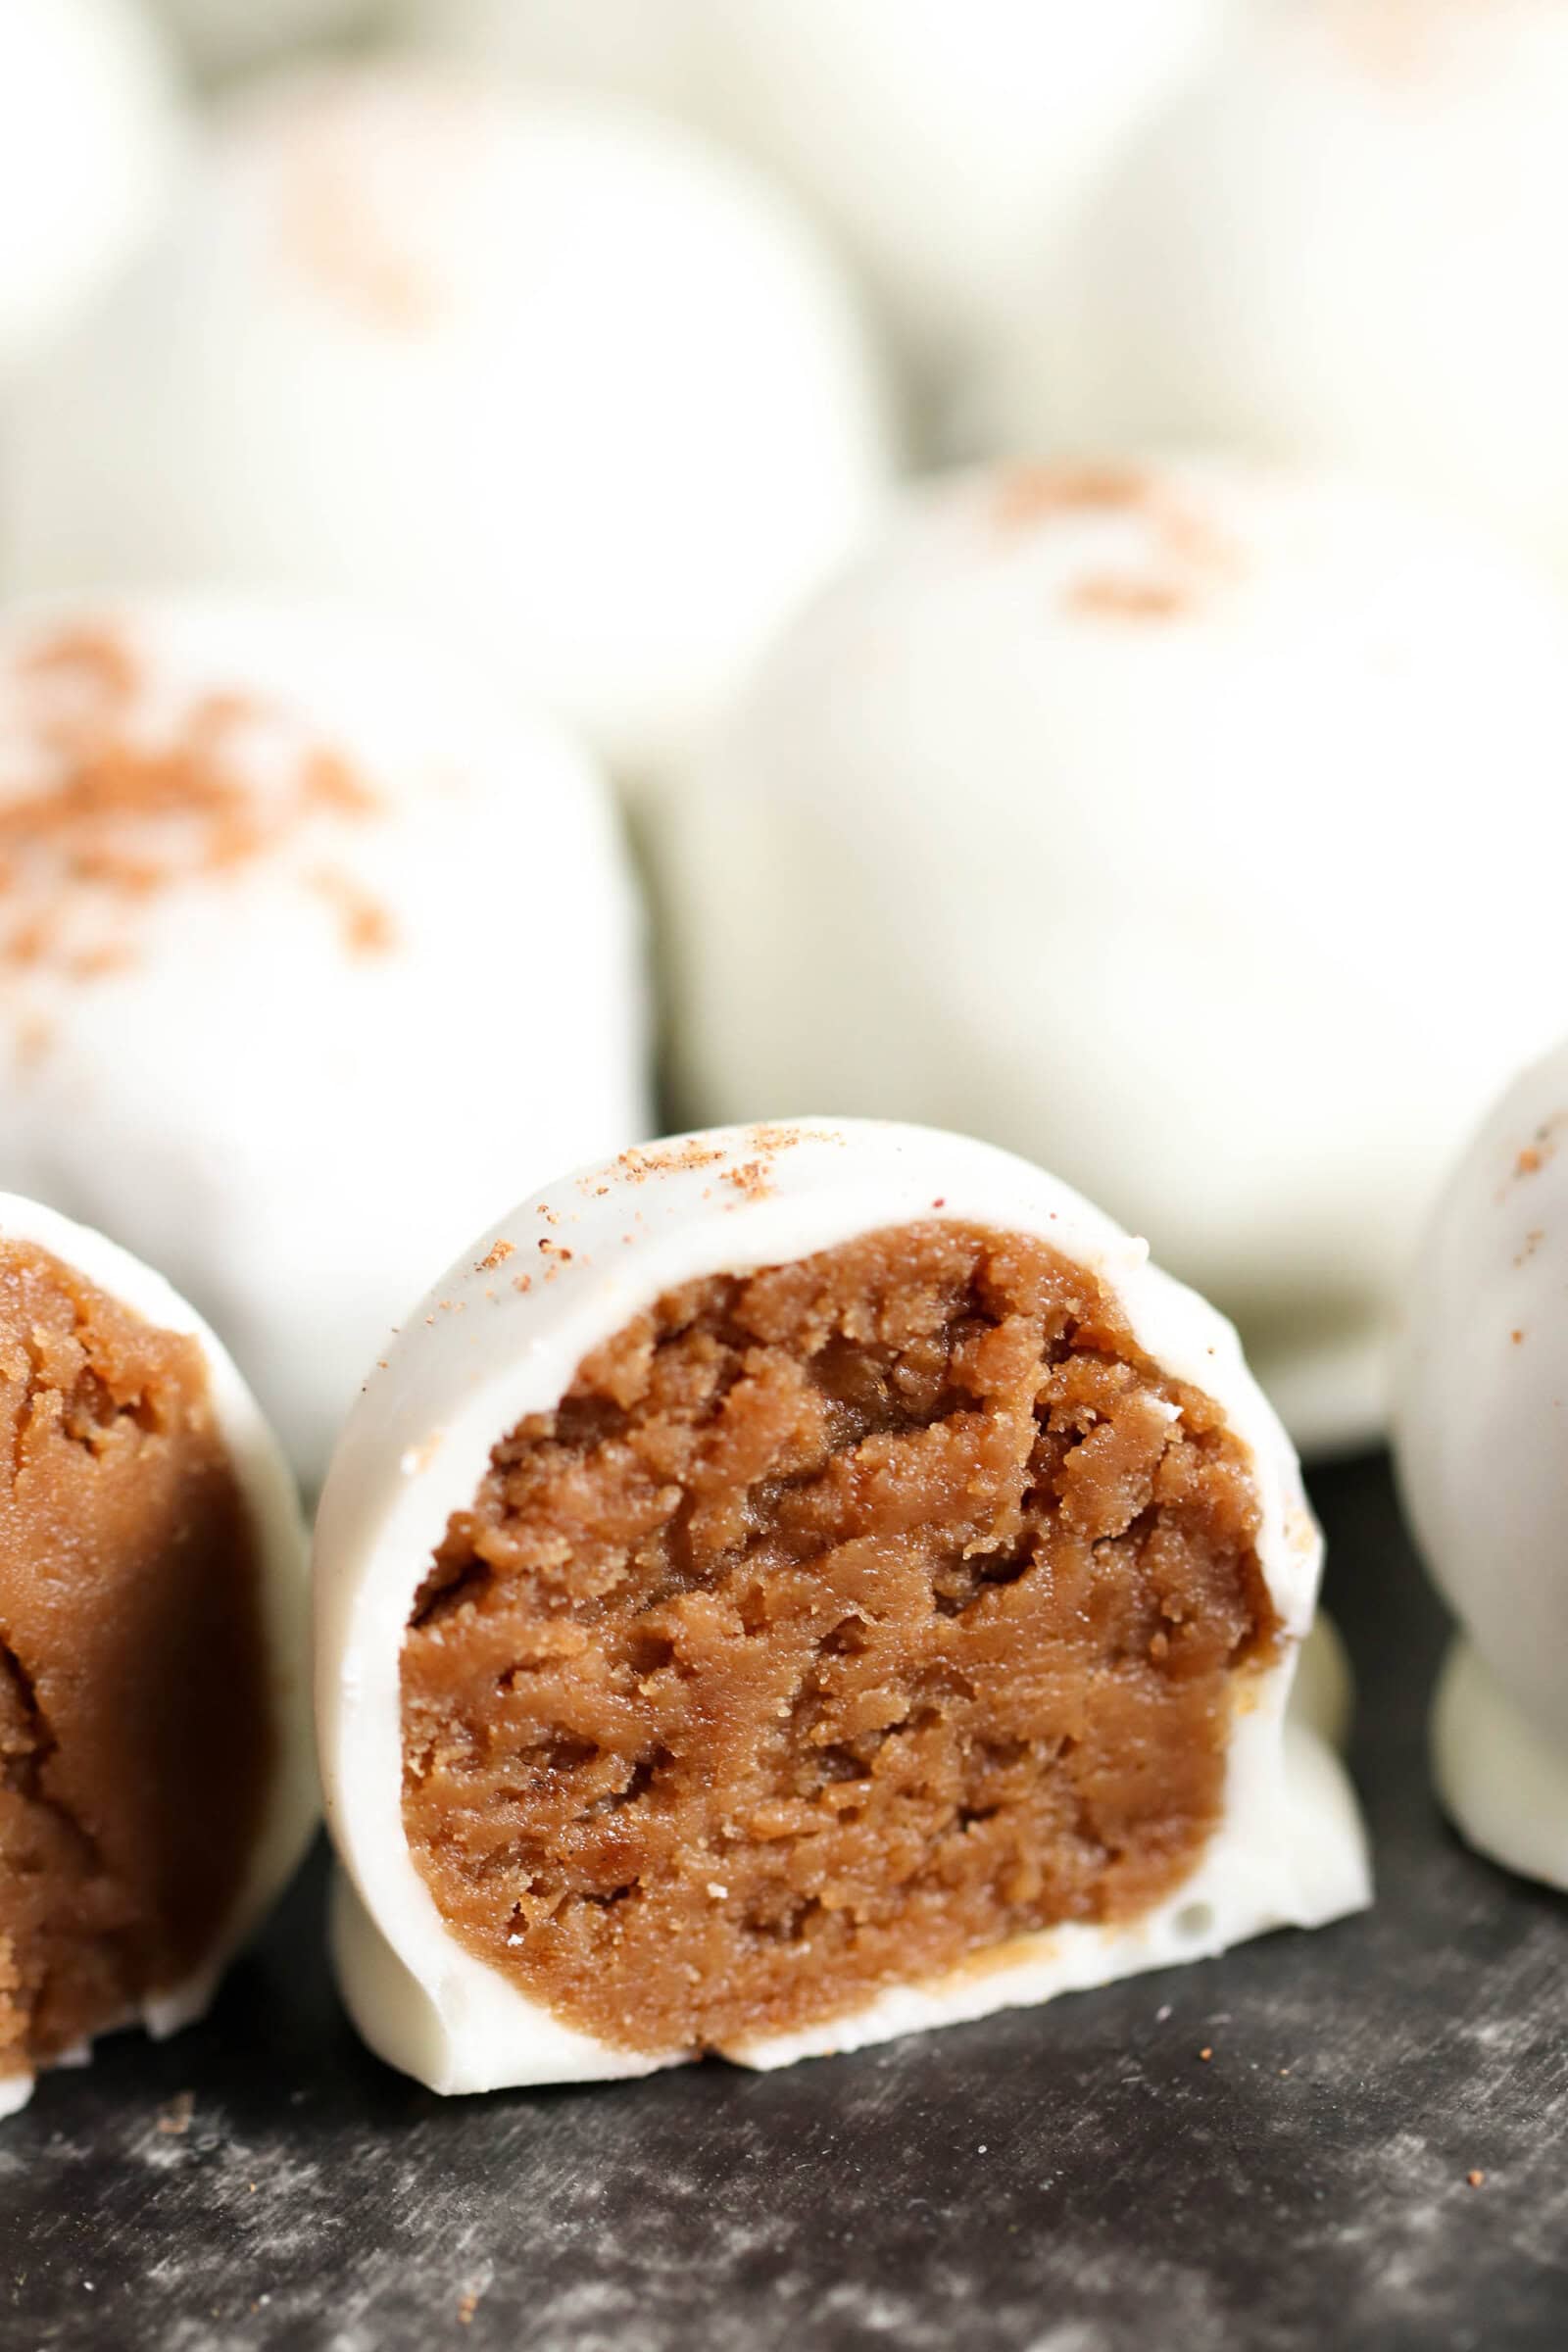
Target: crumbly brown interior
column 844, row 1621
column 136, row 1731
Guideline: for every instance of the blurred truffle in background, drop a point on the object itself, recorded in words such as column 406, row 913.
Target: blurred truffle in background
column 1196, row 829
column 1341, row 242
column 90, row 136
column 546, row 370
column 948, row 143
column 312, row 946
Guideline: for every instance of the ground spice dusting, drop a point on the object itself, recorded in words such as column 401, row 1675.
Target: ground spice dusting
column 844, row 1621
column 136, row 1732
column 366, row 927
column 1187, row 557
column 1399, row 41
column 764, row 1143
column 1113, row 597
column 103, row 819
column 1032, row 494
column 345, row 224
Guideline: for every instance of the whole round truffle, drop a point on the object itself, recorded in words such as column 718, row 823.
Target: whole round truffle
column 310, row 944
column 1336, row 244
column 89, row 137
column 1195, row 829
column 551, row 372
column 1481, row 1436
column 946, row 146
column 159, row 1783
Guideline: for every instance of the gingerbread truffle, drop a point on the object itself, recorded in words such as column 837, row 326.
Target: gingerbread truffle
column 1481, row 1430
column 156, row 1782
column 797, row 1585
column 278, row 885
column 1126, row 814
column 556, row 375
column 1333, row 243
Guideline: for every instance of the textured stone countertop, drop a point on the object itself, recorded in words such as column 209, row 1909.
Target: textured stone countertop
column 1076, row 2178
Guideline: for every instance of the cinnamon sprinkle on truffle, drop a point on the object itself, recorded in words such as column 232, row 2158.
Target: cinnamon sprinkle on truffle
column 1189, row 557
column 109, row 814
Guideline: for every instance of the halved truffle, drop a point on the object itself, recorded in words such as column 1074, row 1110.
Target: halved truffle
column 795, row 1585
column 156, row 1785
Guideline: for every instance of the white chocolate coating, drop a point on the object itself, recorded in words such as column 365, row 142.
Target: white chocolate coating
column 541, row 370
column 1481, row 1430
column 265, row 1480
column 89, row 139
column 482, row 1353
column 1133, row 827
column 311, row 1068
column 948, row 143
column 1336, row 244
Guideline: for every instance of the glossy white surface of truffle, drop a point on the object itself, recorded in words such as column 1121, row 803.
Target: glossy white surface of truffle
column 484, row 1352
column 290, row 1805
column 947, row 142
column 546, row 371
column 1132, row 816
column 1481, row 1428
column 90, row 136
column 1341, row 243
column 386, row 969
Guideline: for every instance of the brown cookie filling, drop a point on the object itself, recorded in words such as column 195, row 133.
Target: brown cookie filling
column 845, row 1620
column 135, row 1730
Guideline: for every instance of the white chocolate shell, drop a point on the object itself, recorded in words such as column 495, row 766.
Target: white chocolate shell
column 1481, row 1434
column 601, row 1246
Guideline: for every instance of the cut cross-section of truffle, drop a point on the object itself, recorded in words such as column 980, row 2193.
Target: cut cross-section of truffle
column 795, row 1585
column 155, row 1777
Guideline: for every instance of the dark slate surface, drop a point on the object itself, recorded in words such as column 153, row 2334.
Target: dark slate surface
column 1071, row 2179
